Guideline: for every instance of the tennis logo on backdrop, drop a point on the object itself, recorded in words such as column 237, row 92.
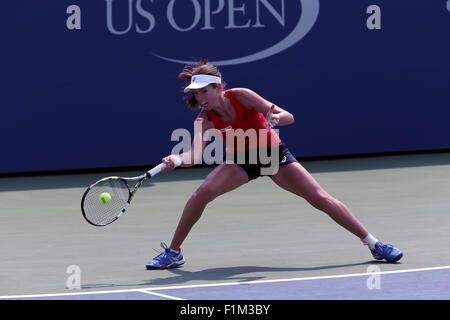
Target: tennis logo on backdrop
column 190, row 22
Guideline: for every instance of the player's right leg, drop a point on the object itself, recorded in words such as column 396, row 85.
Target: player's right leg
column 224, row 178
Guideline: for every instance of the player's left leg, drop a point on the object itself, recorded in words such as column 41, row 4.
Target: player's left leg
column 296, row 179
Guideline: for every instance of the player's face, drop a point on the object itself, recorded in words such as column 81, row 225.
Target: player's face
column 208, row 96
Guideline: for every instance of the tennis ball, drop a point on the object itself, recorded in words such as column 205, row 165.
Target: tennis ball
column 105, row 197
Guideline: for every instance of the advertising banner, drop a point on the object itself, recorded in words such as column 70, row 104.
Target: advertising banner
column 93, row 83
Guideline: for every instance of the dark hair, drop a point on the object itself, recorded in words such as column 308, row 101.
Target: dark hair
column 203, row 67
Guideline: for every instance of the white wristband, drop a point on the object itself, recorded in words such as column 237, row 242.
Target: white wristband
column 176, row 159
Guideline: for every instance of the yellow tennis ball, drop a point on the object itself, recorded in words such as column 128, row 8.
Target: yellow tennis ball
column 105, row 197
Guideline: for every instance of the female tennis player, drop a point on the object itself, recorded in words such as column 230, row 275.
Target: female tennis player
column 241, row 108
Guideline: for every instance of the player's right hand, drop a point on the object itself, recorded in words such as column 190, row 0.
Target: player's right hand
column 170, row 162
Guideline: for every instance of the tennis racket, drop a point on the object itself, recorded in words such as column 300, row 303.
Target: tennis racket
column 121, row 191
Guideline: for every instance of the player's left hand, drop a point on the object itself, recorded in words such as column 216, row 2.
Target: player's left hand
column 272, row 119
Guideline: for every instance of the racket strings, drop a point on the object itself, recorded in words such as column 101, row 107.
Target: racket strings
column 104, row 213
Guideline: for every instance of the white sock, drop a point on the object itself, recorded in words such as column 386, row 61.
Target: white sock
column 370, row 241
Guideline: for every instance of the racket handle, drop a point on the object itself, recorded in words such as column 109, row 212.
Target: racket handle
column 156, row 169
column 161, row 166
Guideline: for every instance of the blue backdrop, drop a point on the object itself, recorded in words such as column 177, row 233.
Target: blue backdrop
column 107, row 94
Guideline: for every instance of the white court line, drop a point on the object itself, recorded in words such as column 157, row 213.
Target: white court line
column 161, row 295
column 299, row 279
column 148, row 290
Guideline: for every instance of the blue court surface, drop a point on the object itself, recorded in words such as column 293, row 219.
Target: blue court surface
column 414, row 284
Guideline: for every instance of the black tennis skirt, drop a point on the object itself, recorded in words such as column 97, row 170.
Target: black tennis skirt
column 256, row 163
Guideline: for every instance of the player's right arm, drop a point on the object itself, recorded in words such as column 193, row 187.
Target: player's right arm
column 194, row 155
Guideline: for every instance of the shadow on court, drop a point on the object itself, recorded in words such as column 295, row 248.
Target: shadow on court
column 83, row 180
column 228, row 274
column 378, row 162
column 69, row 181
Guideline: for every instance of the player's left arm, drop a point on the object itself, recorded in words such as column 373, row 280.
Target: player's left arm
column 271, row 111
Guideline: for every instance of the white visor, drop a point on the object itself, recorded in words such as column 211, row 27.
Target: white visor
column 201, row 80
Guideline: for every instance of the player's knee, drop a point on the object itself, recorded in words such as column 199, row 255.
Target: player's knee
column 203, row 195
column 321, row 200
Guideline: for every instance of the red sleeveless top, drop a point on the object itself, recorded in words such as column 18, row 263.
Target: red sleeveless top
column 248, row 131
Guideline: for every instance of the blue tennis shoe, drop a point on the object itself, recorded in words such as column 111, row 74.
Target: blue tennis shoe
column 387, row 252
column 166, row 259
